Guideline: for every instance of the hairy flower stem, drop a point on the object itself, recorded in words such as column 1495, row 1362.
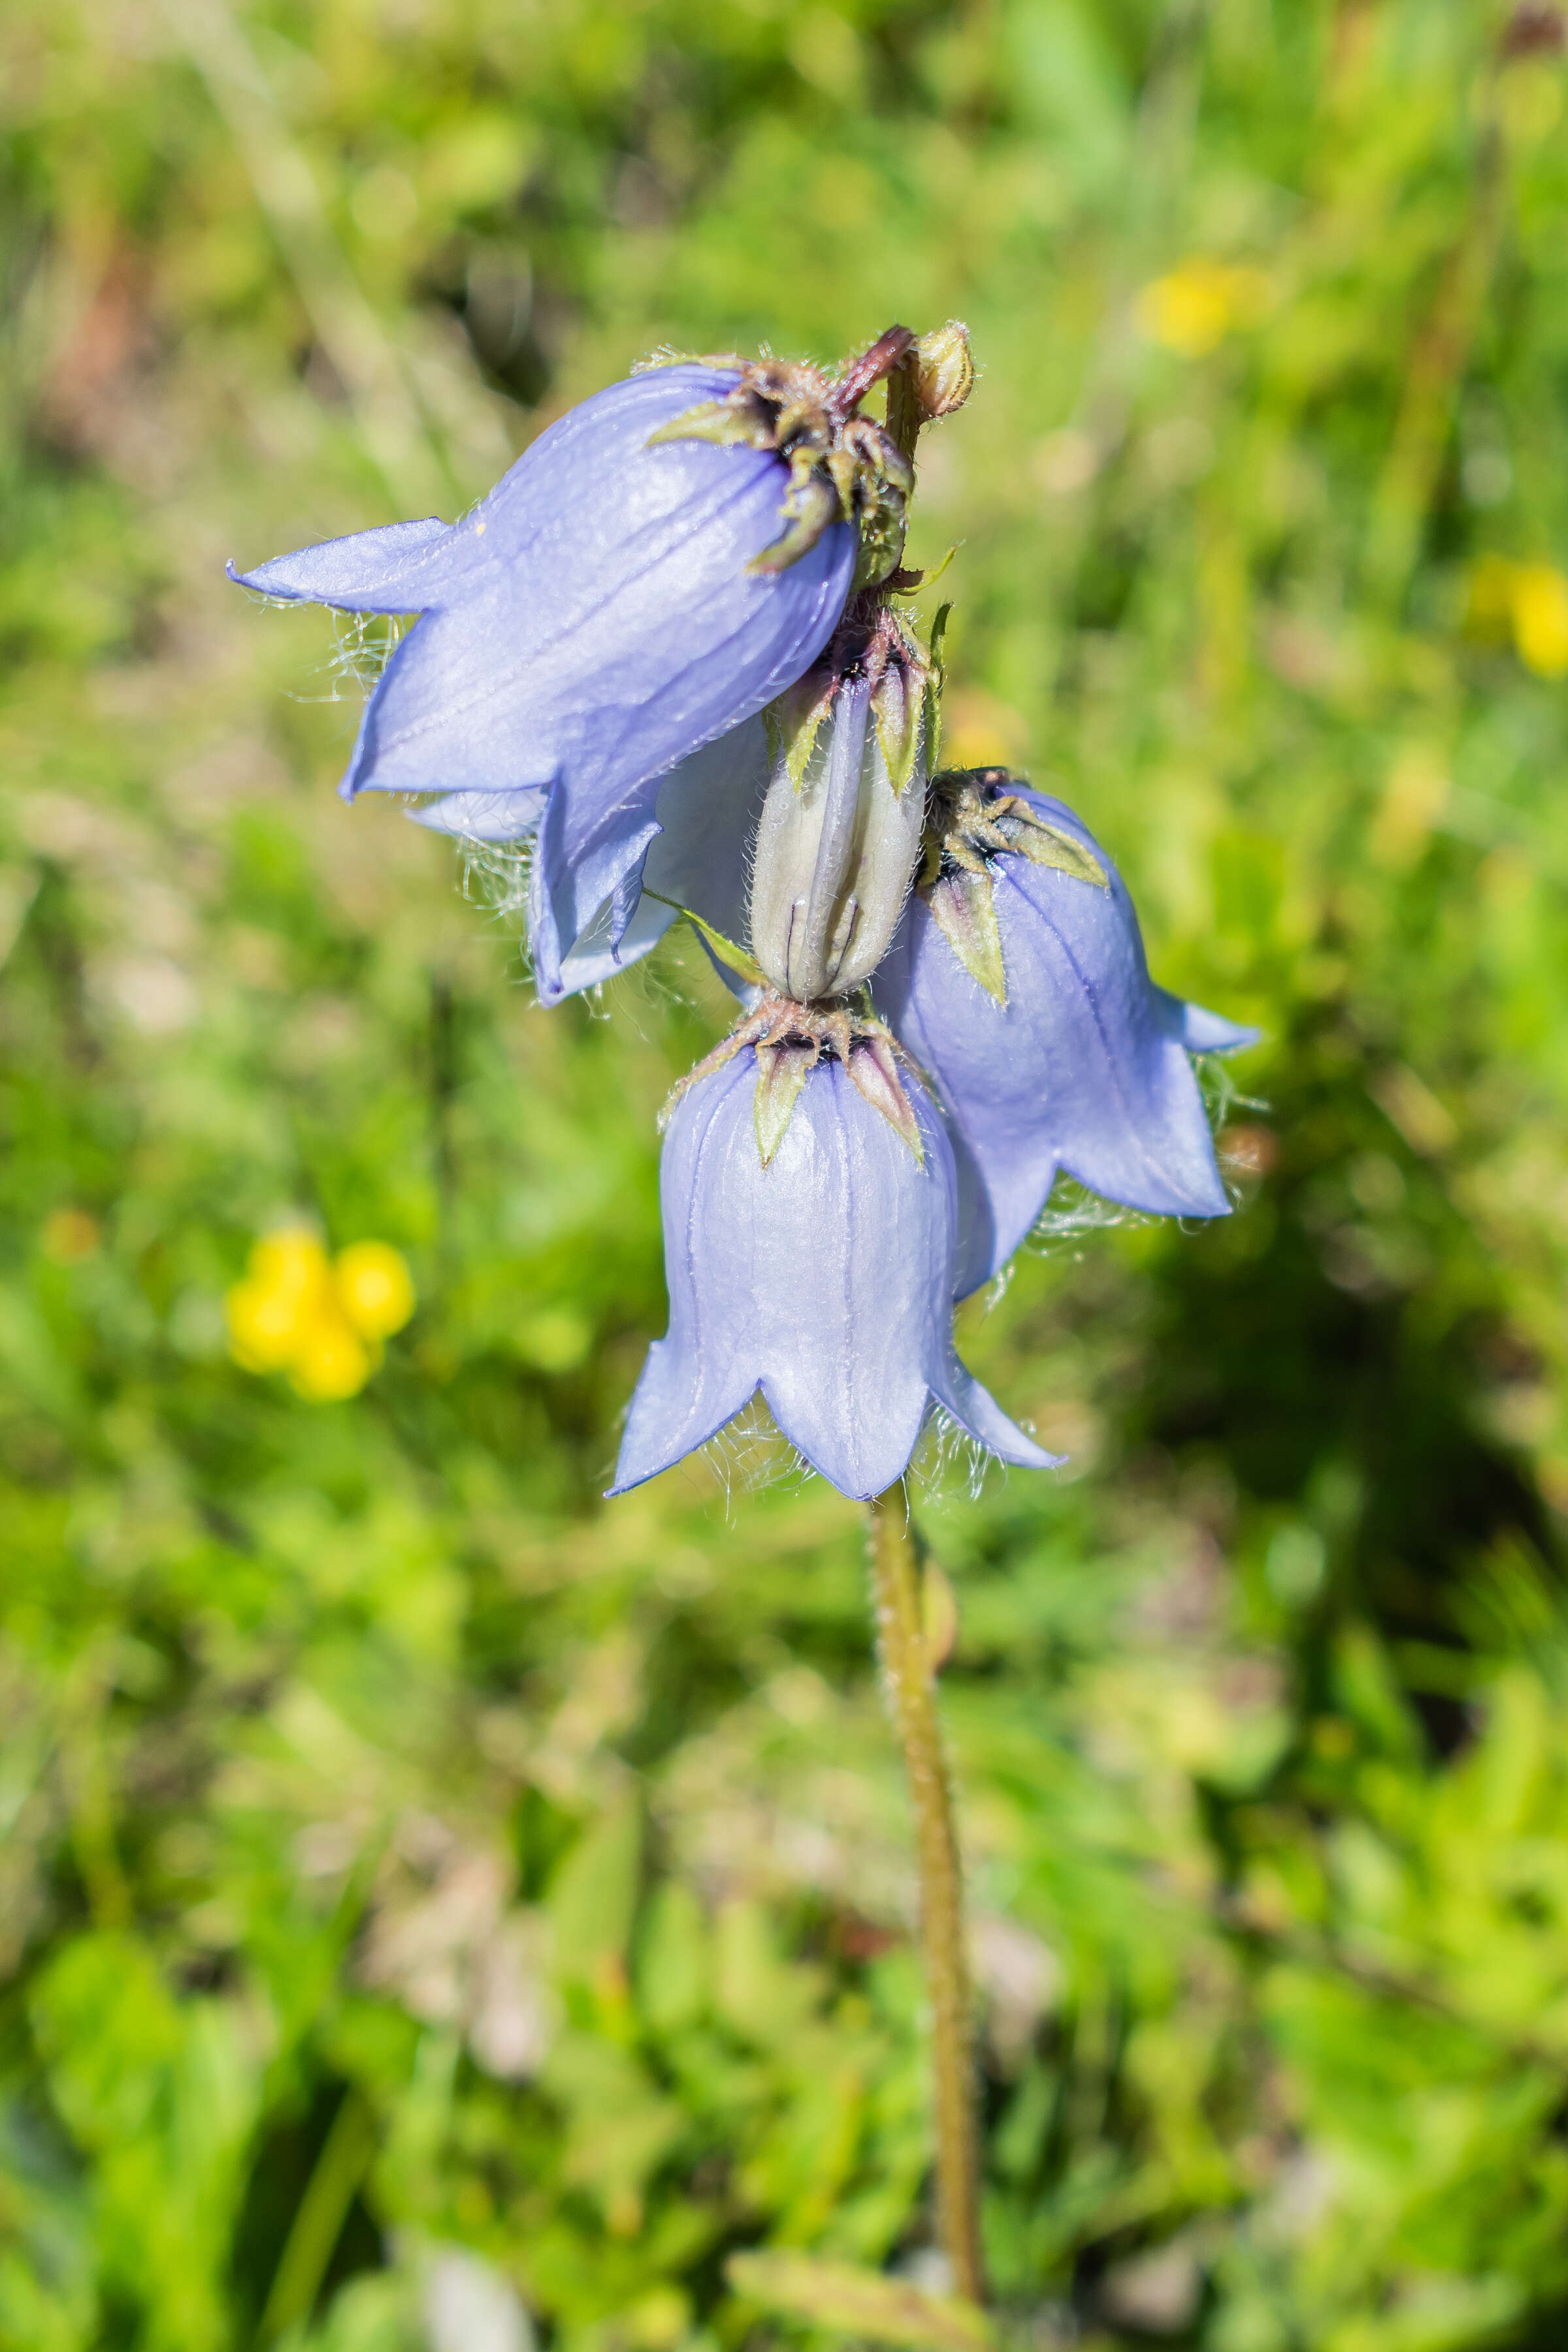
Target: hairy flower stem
column 910, row 1686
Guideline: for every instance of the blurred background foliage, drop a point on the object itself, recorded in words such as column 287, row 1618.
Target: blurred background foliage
column 436, row 1909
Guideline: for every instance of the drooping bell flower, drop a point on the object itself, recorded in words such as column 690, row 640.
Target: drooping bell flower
column 808, row 1196
column 1019, row 984
column 657, row 566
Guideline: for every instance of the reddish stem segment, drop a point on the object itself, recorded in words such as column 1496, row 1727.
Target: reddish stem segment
column 844, row 396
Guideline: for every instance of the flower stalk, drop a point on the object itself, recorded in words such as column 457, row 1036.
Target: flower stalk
column 909, row 1686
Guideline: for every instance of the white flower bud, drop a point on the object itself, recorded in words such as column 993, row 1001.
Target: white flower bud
column 836, row 854
column 943, row 366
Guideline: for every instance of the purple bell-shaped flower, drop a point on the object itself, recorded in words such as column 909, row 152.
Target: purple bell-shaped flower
column 661, row 563
column 808, row 1196
column 700, row 860
column 1019, row 984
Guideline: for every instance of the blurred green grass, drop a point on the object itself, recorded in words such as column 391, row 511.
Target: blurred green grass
column 404, row 1853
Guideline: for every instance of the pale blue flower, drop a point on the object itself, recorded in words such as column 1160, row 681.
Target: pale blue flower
column 822, row 1277
column 708, row 809
column 597, row 619
column 1085, row 1066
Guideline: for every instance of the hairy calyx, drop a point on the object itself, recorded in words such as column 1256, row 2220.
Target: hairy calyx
column 975, row 816
column 842, row 466
column 789, row 1040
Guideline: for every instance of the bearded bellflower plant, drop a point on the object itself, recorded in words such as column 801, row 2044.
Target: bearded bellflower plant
column 667, row 655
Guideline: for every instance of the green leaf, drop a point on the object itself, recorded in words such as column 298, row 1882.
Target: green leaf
column 592, row 1896
column 853, row 2302
column 738, row 959
column 345, row 2158
column 915, row 583
column 674, row 1960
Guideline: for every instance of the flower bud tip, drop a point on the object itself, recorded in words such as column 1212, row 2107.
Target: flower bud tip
column 942, row 365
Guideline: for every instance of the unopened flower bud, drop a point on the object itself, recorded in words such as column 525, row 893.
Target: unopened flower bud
column 943, row 368
column 836, row 849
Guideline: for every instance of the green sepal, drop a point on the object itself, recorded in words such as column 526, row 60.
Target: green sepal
column 667, row 356
column 936, row 680
column 781, row 1071
column 794, row 721
column 727, row 423
column 737, row 960
column 810, row 505
column 882, row 526
column 874, row 1071
column 899, row 716
column 876, row 482
column 915, row 583
column 964, row 909
column 1043, row 844
column 851, row 2302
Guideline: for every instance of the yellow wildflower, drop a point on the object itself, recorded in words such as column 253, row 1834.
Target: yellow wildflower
column 332, row 1360
column 374, row 1284
column 279, row 1299
column 1196, row 305
column 322, row 1320
column 1526, row 602
column 1540, row 619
